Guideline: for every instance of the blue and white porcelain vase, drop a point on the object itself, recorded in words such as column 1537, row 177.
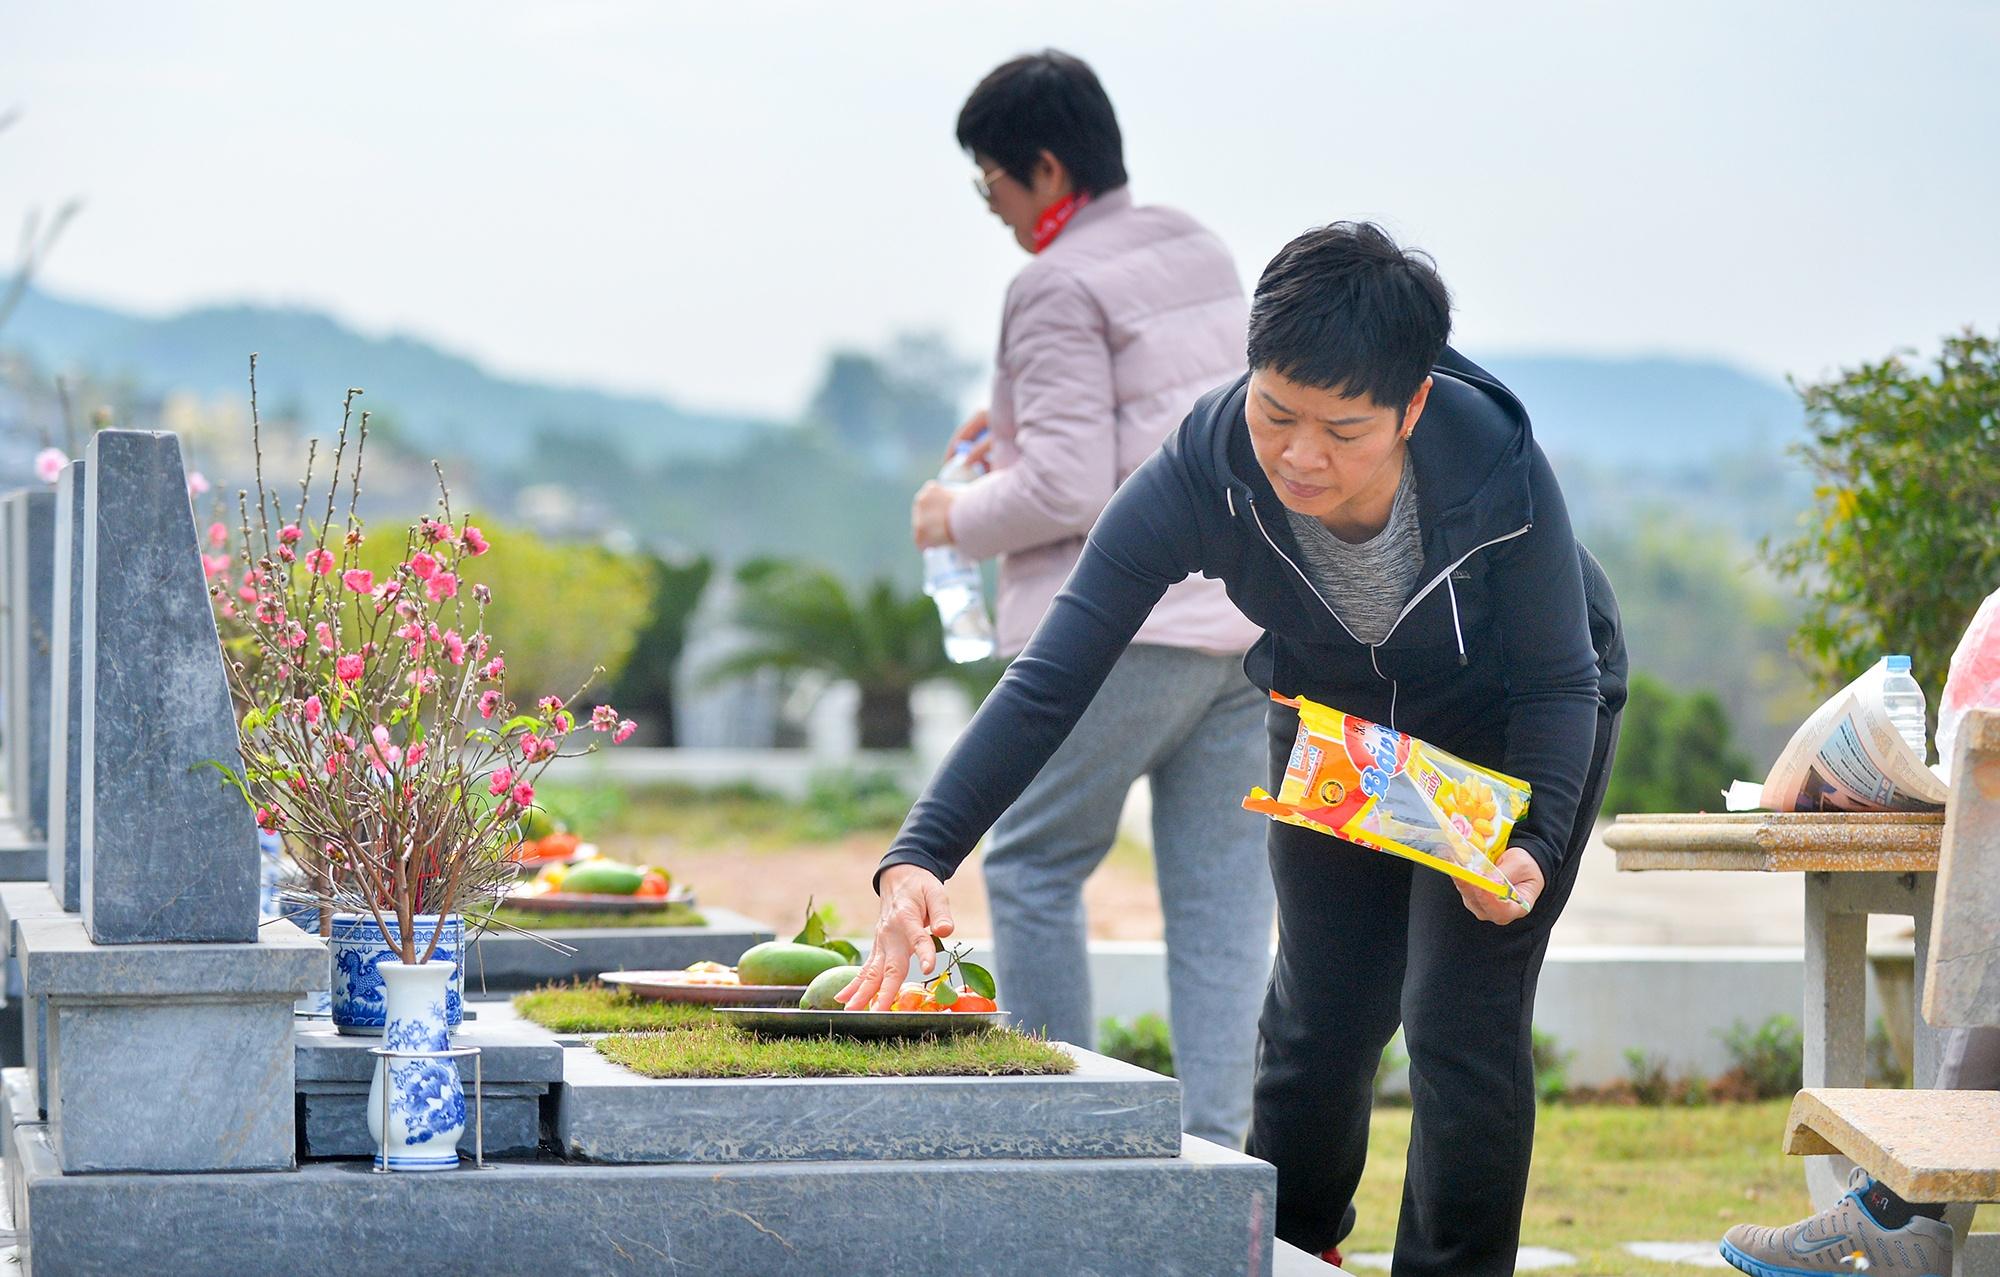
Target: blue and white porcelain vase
column 426, row 1099
column 359, row 951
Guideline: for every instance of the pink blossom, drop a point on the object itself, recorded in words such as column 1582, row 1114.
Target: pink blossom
column 345, row 741
column 359, row 580
column 549, row 705
column 334, row 762
column 422, row 565
column 501, row 779
column 424, row 680
column 287, row 555
column 218, row 534
column 481, row 594
column 474, row 541
column 368, row 649
column 454, row 647
column 349, row 668
column 49, row 463
column 478, row 647
column 442, row 586
column 294, row 636
column 624, row 732
column 197, row 483
column 415, row 754
column 535, row 748
column 381, row 754
column 560, row 723
column 299, row 784
column 494, row 668
column 313, row 709
column 247, row 594
column 388, row 590
column 214, row 565
column 434, row 530
column 320, row 561
column 269, row 818
column 489, row 700
column 603, row 718
column 289, row 534
column 284, row 672
column 524, row 794
column 324, row 633
column 269, row 613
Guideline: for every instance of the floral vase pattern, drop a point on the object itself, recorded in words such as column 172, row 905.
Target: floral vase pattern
column 426, row 1098
column 359, row 1003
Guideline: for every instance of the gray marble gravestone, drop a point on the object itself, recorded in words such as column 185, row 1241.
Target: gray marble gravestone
column 30, row 572
column 65, row 794
column 168, row 852
column 1962, row 986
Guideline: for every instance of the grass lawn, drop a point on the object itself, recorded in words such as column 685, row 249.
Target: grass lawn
column 1604, row 1175
column 677, row 1040
column 532, row 920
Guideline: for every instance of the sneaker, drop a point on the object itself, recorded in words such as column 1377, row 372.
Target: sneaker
column 1842, row 1239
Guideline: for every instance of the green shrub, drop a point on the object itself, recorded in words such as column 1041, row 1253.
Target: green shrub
column 1145, row 1041
column 844, row 802
column 1771, row 1057
column 1551, row 1067
column 1648, row 1074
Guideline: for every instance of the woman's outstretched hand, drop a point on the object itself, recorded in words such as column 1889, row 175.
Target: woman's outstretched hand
column 1520, row 869
column 914, row 909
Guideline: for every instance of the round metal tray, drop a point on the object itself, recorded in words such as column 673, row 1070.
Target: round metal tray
column 673, row 986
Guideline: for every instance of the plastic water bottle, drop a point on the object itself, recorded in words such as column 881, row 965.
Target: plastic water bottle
column 1904, row 700
column 952, row 580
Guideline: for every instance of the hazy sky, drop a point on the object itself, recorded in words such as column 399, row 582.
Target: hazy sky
column 701, row 199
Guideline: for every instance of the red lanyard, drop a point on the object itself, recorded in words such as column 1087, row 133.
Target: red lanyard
column 1055, row 217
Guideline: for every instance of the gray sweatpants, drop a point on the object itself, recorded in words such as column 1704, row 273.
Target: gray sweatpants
column 1194, row 725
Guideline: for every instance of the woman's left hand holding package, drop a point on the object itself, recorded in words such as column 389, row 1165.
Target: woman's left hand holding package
column 1521, row 870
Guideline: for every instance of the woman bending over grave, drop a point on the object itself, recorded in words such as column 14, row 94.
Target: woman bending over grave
column 1377, row 504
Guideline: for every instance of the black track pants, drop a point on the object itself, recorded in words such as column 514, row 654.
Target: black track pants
column 1367, row 942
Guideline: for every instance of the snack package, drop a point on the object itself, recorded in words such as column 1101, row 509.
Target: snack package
column 1383, row 789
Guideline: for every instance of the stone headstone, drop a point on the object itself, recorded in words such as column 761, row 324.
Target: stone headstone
column 9, row 703
column 1962, row 984
column 66, row 691
column 169, row 852
column 31, row 520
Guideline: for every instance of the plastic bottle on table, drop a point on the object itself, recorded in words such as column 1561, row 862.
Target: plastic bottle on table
column 1904, row 700
column 953, row 582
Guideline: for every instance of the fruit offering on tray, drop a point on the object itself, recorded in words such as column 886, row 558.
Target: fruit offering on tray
column 973, row 988
column 709, row 973
column 600, row 877
column 553, row 848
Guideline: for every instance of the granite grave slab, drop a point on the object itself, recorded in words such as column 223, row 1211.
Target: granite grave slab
column 1106, row 1109
column 169, row 852
column 30, row 585
column 1205, row 1212
column 65, row 796
column 503, row 961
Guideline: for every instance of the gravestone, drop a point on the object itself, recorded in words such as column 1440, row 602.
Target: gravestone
column 66, row 691
column 168, row 851
column 30, row 586
column 1962, row 986
column 9, row 704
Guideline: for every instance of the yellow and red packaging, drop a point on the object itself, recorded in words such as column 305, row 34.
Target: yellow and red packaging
column 1384, row 789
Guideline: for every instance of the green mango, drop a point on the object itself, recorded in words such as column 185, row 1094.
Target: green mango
column 819, row 994
column 783, row 962
column 603, row 878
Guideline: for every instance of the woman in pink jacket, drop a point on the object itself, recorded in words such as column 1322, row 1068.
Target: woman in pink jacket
column 1125, row 315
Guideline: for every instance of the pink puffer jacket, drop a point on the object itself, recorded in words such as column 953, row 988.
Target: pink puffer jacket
column 1108, row 338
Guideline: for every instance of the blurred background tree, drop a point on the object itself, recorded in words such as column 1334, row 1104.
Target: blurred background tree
column 644, row 692
column 1901, row 542
column 1674, row 752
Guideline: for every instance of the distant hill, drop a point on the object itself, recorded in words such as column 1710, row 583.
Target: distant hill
column 1607, row 412
column 1644, row 410
column 307, row 360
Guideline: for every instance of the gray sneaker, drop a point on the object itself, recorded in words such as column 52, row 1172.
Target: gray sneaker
column 1842, row 1239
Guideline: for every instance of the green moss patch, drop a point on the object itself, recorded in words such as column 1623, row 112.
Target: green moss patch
column 534, row 920
column 675, row 1040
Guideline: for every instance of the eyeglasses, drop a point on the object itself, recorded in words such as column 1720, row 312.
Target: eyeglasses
column 983, row 180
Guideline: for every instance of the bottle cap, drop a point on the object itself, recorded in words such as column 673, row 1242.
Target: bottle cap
column 1897, row 664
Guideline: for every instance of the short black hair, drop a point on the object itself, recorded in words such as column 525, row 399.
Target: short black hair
column 1047, row 101
column 1344, row 308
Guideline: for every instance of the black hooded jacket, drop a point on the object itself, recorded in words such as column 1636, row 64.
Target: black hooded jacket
column 1497, row 656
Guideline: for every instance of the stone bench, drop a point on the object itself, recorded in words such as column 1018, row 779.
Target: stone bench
column 1927, row 1146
